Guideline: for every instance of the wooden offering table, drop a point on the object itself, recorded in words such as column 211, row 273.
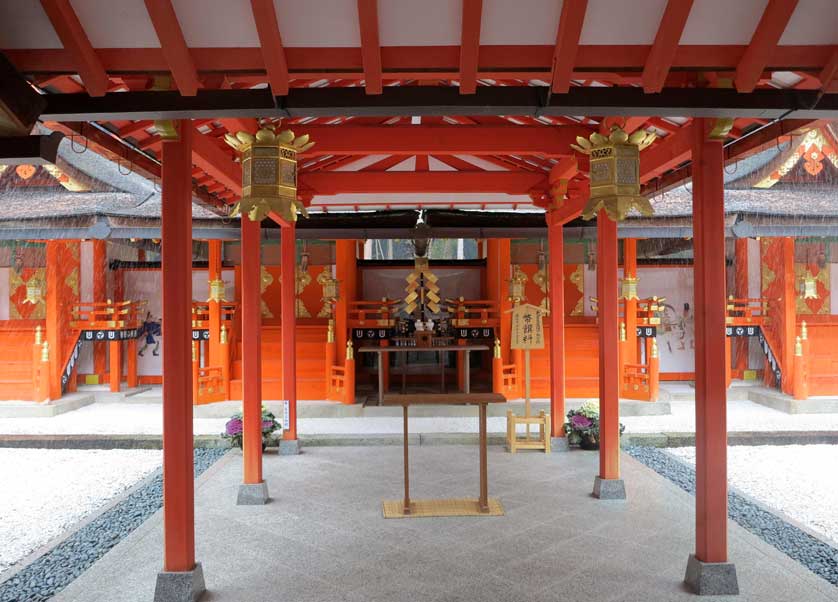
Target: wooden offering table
column 382, row 351
column 479, row 399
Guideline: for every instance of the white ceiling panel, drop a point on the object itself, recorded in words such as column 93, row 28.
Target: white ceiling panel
column 813, row 22
column 217, row 23
column 26, row 25
column 722, row 21
column 437, row 165
column 425, row 23
column 621, row 22
column 532, row 22
column 318, row 23
column 422, row 198
column 361, row 163
column 123, row 24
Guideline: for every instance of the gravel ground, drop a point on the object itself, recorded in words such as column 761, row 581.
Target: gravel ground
column 53, row 571
column 46, row 491
column 818, row 556
column 797, row 480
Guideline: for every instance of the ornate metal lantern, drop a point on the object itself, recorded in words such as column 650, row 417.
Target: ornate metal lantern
column 269, row 173
column 216, row 290
column 615, row 172
column 629, row 289
column 517, row 285
column 331, row 291
column 809, row 290
column 34, row 292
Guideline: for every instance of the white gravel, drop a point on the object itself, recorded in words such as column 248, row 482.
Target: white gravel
column 46, row 491
column 797, row 480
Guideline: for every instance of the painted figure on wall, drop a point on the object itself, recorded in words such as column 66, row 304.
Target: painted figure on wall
column 151, row 330
column 677, row 329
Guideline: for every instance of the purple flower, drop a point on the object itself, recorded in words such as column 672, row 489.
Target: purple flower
column 233, row 427
column 267, row 424
column 580, row 422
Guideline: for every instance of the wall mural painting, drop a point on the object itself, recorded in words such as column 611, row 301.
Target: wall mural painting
column 537, row 291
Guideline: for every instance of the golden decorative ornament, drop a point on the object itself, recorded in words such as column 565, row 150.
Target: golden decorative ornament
column 497, row 349
column 38, row 335
column 517, row 285
column 331, row 291
column 654, row 348
column 798, row 347
column 330, row 332
column 629, row 288
column 622, row 332
column 216, row 290
column 45, row 352
column 224, row 336
column 810, row 287
column 34, row 292
column 269, row 173
column 804, row 331
column 24, row 172
column 350, row 352
column 194, row 351
column 615, row 172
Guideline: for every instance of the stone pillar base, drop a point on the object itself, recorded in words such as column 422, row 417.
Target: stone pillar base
column 559, row 444
column 253, row 494
column 609, row 489
column 180, row 587
column 711, row 578
column 289, row 447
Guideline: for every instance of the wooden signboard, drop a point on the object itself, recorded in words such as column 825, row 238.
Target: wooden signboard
column 527, row 327
column 527, row 333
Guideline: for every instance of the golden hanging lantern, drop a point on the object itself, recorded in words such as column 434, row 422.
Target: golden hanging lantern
column 615, row 172
column 629, row 288
column 810, row 287
column 216, row 290
column 517, row 285
column 269, row 173
column 34, row 292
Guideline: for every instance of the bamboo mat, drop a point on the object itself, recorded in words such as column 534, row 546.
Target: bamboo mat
column 443, row 507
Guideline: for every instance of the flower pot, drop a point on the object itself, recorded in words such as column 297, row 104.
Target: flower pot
column 589, row 442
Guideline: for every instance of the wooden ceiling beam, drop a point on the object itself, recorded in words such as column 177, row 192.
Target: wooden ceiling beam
column 85, row 59
column 370, row 46
column 666, row 43
column 829, row 75
column 360, row 182
column 567, row 43
column 173, row 44
column 273, row 53
column 470, row 45
column 759, row 52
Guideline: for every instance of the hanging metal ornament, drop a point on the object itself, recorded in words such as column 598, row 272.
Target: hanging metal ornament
column 34, row 292
column 269, row 173
column 615, row 172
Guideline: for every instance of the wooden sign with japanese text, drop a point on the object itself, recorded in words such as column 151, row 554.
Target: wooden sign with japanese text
column 527, row 327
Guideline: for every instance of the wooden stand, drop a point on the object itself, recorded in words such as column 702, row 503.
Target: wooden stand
column 513, row 442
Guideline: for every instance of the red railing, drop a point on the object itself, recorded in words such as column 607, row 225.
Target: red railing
column 107, row 315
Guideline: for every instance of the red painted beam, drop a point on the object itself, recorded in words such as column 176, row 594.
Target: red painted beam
column 173, row 44
column 370, row 47
column 273, row 53
column 84, row 58
column 411, row 140
column 215, row 161
column 567, row 43
column 829, row 74
column 666, row 42
column 470, row 45
column 666, row 154
column 336, row 182
column 759, row 52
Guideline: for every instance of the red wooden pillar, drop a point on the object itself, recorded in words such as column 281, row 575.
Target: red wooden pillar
column 608, row 484
column 708, row 569
column 288, row 258
column 214, row 273
column 555, row 243
column 253, row 489
column 100, row 294
column 630, row 271
column 178, row 468
column 741, row 284
column 345, row 272
column 115, row 348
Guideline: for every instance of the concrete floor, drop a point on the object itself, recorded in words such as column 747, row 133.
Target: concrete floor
column 323, row 538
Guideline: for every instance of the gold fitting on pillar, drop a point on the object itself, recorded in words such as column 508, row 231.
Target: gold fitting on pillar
column 350, row 351
column 45, row 351
column 629, row 289
column 497, row 349
column 224, row 336
column 330, row 332
column 798, row 347
column 654, row 352
column 39, row 337
column 194, row 351
column 804, row 332
column 217, row 289
column 622, row 332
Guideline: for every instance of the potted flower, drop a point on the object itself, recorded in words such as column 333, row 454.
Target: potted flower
column 582, row 426
column 235, row 426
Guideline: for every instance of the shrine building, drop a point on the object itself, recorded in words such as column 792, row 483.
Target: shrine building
column 278, row 201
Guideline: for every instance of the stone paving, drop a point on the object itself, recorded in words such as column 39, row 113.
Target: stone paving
column 323, row 537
